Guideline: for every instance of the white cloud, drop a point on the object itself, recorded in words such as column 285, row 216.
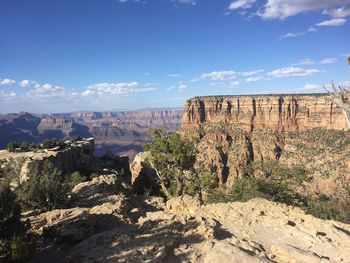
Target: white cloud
column 333, row 22
column 311, row 87
column 108, row 90
column 182, row 87
column 6, row 95
column 329, row 60
column 217, row 75
column 306, row 61
column 292, row 35
column 27, row 83
column 7, row 82
column 251, row 73
column 311, row 29
column 291, row 72
column 255, row 79
column 49, row 91
column 191, row 2
column 281, row 9
column 225, row 84
column 244, row 4
column 338, row 12
column 174, row 75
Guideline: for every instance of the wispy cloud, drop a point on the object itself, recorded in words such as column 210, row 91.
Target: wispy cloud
column 292, row 35
column 7, row 95
column 189, row 2
column 311, row 29
column 291, row 72
column 109, row 90
column 255, row 79
column 251, row 73
column 244, row 4
column 329, row 60
column 338, row 12
column 282, row 9
column 333, row 22
column 217, row 75
column 306, row 61
column 174, row 75
column 311, row 87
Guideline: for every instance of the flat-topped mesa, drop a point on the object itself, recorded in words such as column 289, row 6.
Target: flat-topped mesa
column 266, row 112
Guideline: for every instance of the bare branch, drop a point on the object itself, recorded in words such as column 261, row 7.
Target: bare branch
column 340, row 96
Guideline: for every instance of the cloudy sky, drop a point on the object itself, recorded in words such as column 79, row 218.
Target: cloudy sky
column 74, row 55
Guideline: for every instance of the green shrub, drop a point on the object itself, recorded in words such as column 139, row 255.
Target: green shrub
column 49, row 144
column 12, row 146
column 325, row 208
column 46, row 188
column 75, row 178
column 25, row 147
column 171, row 156
column 245, row 189
column 15, row 244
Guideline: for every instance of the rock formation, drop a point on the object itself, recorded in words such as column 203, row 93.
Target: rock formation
column 108, row 223
column 76, row 156
column 143, row 177
column 263, row 112
column 309, row 130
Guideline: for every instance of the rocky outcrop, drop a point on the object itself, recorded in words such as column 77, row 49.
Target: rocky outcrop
column 73, row 157
column 264, row 112
column 109, row 224
column 143, row 176
column 309, row 130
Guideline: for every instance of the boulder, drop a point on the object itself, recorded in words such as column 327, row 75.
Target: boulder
column 143, row 176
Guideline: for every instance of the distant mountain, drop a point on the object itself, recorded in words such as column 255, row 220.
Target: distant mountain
column 122, row 132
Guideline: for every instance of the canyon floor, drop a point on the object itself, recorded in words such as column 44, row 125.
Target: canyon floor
column 108, row 223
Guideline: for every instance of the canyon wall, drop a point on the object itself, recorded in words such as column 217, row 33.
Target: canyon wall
column 121, row 132
column 309, row 130
column 278, row 113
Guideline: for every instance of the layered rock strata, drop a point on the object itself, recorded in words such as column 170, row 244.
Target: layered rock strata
column 308, row 130
column 277, row 113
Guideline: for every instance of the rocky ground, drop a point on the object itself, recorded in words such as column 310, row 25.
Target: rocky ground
column 108, row 223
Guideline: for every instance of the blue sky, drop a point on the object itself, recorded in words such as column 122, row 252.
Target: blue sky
column 100, row 55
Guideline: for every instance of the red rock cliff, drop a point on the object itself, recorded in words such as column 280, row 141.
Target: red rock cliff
column 264, row 112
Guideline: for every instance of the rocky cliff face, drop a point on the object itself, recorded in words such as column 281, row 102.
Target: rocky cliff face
column 277, row 113
column 234, row 131
column 74, row 157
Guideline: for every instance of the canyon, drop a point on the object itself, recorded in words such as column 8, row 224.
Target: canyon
column 111, row 219
column 120, row 132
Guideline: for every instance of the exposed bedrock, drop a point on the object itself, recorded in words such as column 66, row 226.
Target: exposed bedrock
column 309, row 130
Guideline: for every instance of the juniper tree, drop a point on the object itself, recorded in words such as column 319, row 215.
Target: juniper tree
column 171, row 156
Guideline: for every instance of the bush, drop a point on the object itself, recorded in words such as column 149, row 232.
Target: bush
column 49, row 144
column 171, row 156
column 325, row 208
column 15, row 244
column 25, row 147
column 46, row 188
column 12, row 146
column 75, row 178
